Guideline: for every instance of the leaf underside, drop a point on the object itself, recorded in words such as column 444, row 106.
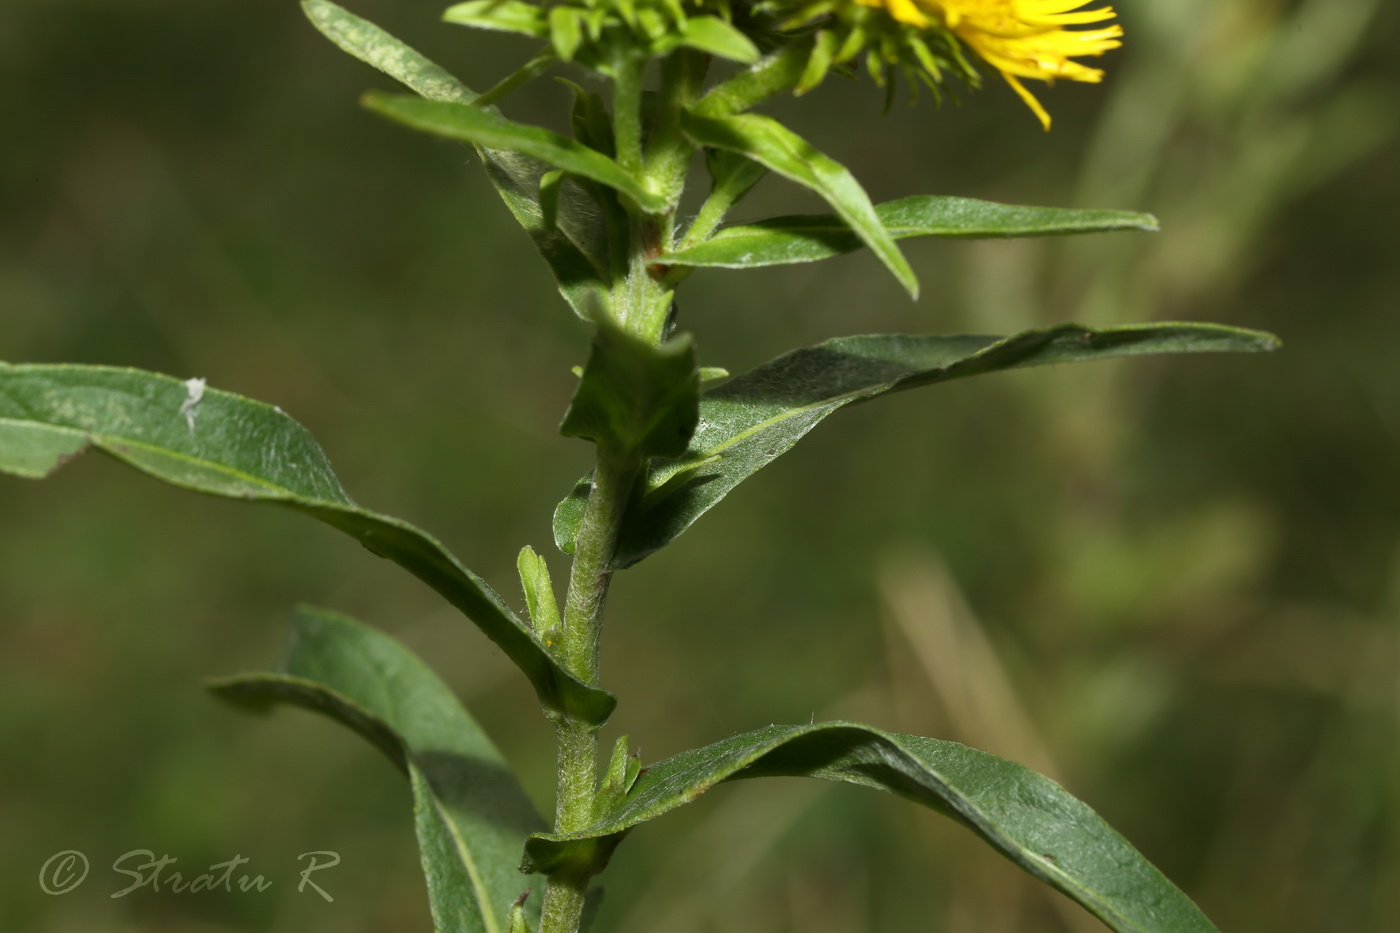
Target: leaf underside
column 1027, row 817
column 470, row 812
column 756, row 417
column 240, row 449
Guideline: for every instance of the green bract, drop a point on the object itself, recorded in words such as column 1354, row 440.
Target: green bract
column 600, row 196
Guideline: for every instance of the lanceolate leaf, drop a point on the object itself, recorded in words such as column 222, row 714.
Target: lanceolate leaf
column 471, row 814
column 751, row 420
column 226, row 445
column 576, row 250
column 782, row 240
column 777, row 148
column 1027, row 817
column 492, row 131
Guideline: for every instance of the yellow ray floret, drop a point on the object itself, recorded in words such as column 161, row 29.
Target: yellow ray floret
column 1020, row 38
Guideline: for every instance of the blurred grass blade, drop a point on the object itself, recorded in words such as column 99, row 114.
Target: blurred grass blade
column 1027, row 817
column 470, row 812
column 492, row 131
column 754, row 418
column 778, row 149
column 241, row 449
column 576, row 251
column 793, row 239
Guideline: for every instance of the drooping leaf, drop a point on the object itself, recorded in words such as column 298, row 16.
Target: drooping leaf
column 635, row 400
column 492, row 131
column 230, row 446
column 470, row 812
column 754, row 418
column 500, row 15
column 782, row 240
column 778, row 149
column 1027, row 817
column 576, row 250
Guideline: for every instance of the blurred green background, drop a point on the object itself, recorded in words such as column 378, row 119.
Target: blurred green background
column 1170, row 583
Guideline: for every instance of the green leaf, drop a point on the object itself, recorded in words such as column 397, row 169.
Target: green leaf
column 1027, row 817
column 470, row 812
column 492, row 131
column 756, row 417
column 823, row 48
column 777, row 148
column 636, row 400
column 500, row 15
column 713, row 35
column 782, row 240
column 539, row 593
column 622, row 772
column 226, row 445
column 577, row 251
column 566, row 30
column 550, row 183
column 376, row 48
column 574, row 245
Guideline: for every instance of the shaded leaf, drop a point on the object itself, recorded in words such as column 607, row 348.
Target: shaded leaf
column 635, row 400
column 470, row 812
column 754, row 418
column 241, row 449
column 782, row 240
column 1027, row 817
column 493, row 131
column 774, row 146
column 576, row 251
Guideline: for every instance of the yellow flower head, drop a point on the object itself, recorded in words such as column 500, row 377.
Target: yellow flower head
column 1020, row 38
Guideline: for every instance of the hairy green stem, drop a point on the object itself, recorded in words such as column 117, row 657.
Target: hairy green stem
column 583, row 626
column 627, row 109
column 640, row 308
column 772, row 75
column 669, row 152
column 592, row 569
